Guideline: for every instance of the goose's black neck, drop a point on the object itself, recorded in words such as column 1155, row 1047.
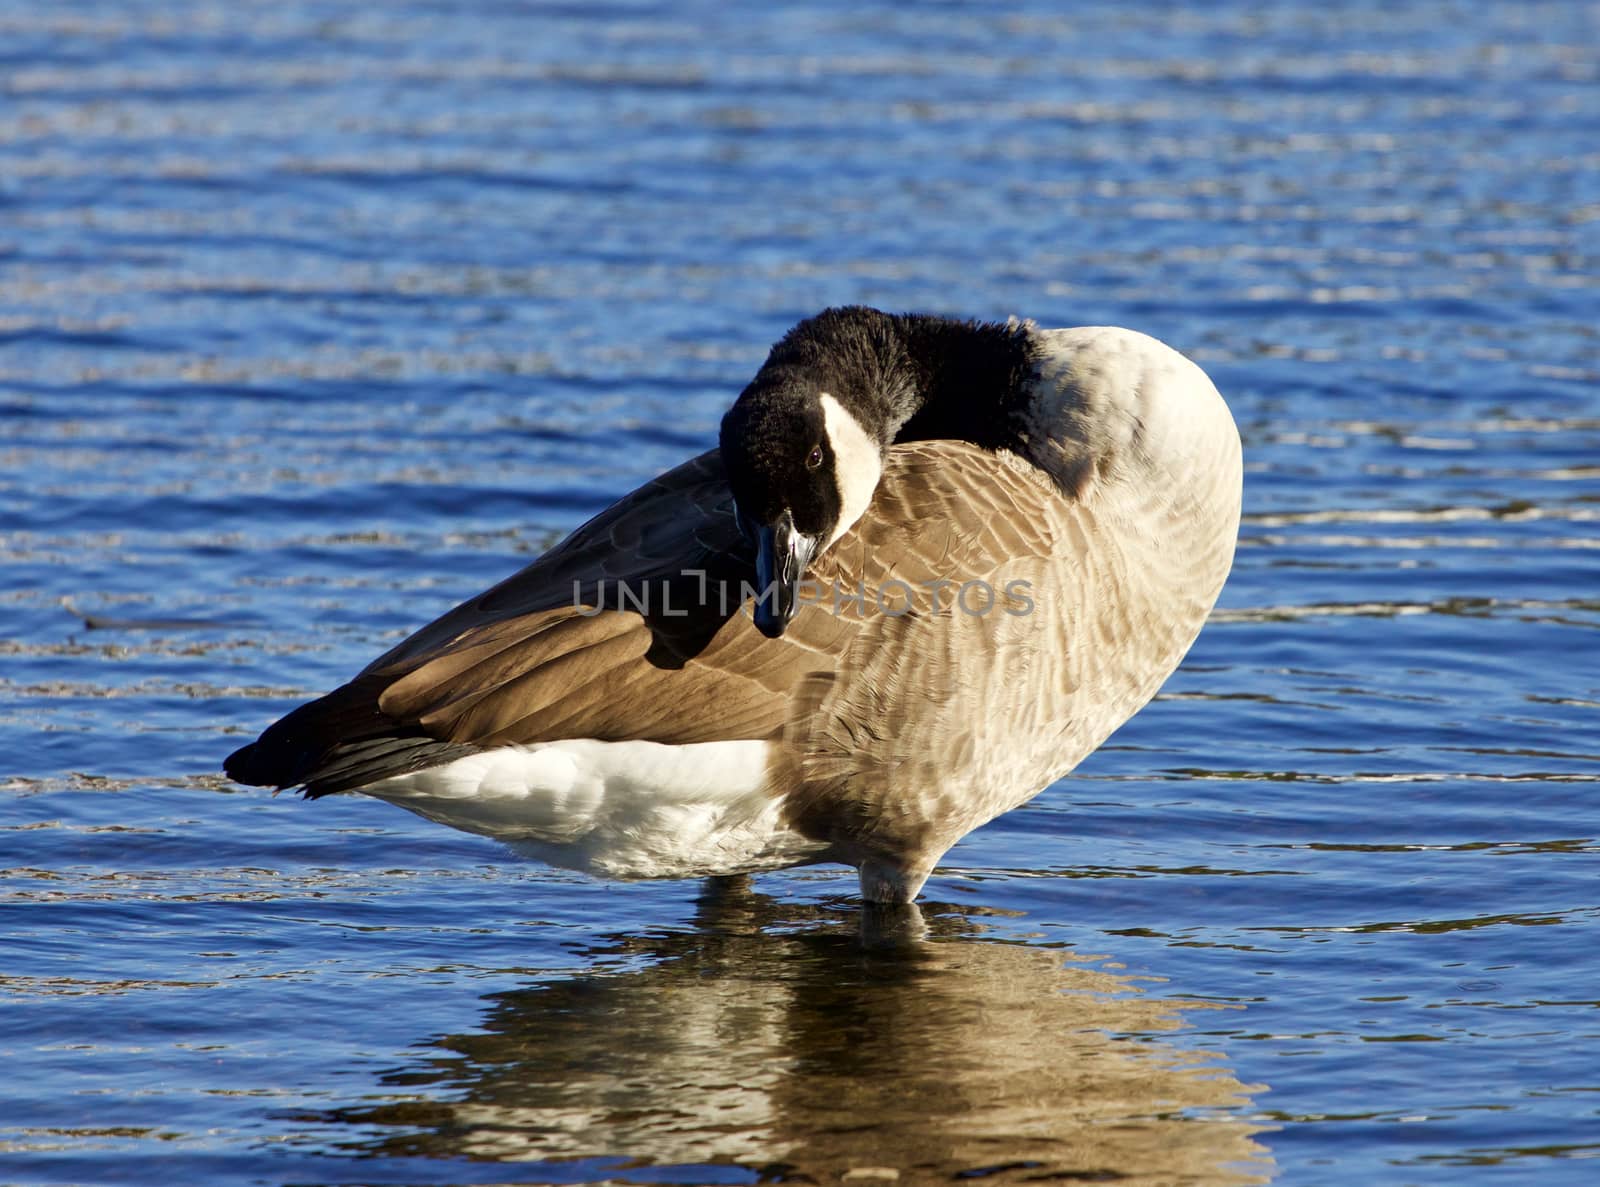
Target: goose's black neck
column 973, row 380
column 915, row 377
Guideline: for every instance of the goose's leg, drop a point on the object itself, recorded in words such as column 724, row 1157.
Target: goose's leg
column 721, row 887
column 886, row 881
column 729, row 904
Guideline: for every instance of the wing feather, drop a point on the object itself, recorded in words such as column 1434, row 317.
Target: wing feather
column 548, row 654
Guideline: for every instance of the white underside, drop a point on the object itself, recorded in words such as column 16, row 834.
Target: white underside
column 621, row 809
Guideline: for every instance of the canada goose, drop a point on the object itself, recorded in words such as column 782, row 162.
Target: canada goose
column 980, row 549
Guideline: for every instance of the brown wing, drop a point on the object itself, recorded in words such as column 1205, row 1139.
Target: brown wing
column 632, row 628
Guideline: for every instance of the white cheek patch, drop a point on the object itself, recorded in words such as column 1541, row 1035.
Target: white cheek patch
column 857, row 465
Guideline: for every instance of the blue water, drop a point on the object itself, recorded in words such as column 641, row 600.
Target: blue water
column 317, row 317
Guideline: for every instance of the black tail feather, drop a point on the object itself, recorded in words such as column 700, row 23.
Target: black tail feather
column 338, row 743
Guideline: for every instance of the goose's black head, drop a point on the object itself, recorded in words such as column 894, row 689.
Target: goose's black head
column 803, row 445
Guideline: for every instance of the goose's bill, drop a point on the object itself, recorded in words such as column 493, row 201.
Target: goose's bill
column 782, row 556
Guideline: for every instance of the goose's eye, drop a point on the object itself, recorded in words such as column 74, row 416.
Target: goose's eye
column 814, row 458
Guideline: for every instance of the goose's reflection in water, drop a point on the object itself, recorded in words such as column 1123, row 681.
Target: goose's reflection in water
column 809, row 1044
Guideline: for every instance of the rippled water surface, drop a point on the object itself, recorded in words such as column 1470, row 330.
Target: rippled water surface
column 317, row 317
